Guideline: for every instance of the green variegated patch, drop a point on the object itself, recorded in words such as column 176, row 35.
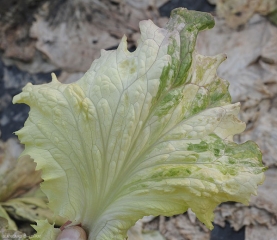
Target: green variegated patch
column 142, row 133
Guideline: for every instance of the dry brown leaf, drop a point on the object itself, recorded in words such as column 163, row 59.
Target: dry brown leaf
column 260, row 233
column 239, row 215
column 14, row 45
column 267, row 193
column 69, row 34
column 181, row 227
column 68, row 47
column 16, row 177
column 73, row 41
column 138, row 233
column 238, row 12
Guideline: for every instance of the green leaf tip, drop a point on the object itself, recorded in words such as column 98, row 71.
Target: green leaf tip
column 192, row 19
column 142, row 133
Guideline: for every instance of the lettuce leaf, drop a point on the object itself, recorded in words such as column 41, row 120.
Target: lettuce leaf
column 142, row 133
